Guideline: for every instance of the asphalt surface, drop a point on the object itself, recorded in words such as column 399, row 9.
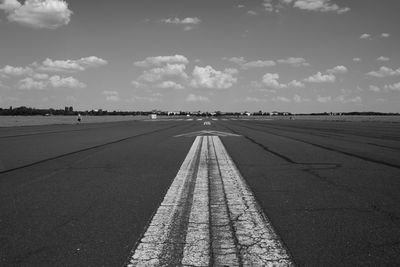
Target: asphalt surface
column 82, row 195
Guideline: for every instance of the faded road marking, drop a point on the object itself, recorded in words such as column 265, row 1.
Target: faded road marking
column 209, row 217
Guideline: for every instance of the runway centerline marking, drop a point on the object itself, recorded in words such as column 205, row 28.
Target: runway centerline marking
column 209, row 217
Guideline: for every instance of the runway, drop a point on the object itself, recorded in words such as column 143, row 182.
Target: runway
column 85, row 195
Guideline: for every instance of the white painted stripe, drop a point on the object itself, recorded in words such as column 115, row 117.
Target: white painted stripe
column 258, row 244
column 209, row 217
column 156, row 238
column 197, row 244
column 223, row 237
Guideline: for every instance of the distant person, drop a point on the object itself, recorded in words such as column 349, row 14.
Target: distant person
column 79, row 118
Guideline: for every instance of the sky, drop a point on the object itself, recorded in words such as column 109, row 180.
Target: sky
column 297, row 56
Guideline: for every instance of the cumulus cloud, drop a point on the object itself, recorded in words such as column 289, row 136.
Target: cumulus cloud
column 45, row 14
column 320, row 5
column 252, row 12
column 15, row 71
column 385, row 35
column 294, row 61
column 71, row 65
column 384, row 72
column 188, row 23
column 29, row 84
column 338, row 70
column 344, row 100
column 160, row 60
column 197, row 98
column 251, row 64
column 65, row 82
column 208, row 77
column 365, row 36
column 356, row 59
column 271, row 81
column 170, row 85
column 169, row 70
column 382, row 58
column 374, row 88
column 112, row 96
column 9, row 5
column 321, row 78
column 299, row 99
column 393, row 87
column 308, row 5
column 258, row 64
column 296, row 84
column 237, row 60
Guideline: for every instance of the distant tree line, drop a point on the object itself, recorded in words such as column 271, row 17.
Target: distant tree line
column 28, row 111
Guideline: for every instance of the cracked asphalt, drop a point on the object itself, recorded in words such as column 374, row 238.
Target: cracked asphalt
column 83, row 195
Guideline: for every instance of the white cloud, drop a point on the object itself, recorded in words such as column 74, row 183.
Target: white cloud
column 112, row 96
column 309, row 5
column 160, row 60
column 299, row 99
column 29, row 84
column 15, row 71
column 197, row 98
column 384, row 72
column 92, row 62
column 170, row 85
column 188, row 22
column 71, row 65
column 271, row 81
column 296, row 84
column 169, row 70
column 324, row 99
column 237, row 60
column 321, row 78
column 40, row 76
column 258, row 64
column 9, row 5
column 319, row 5
column 47, row 14
column 294, row 61
column 67, row 82
column 356, row 59
column 337, row 70
column 374, row 88
column 382, row 58
column 251, row 64
column 393, row 87
column 268, row 5
column 385, row 35
column 60, row 65
column 137, row 84
column 208, row 77
column 344, row 100
column 365, row 36
column 252, row 12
